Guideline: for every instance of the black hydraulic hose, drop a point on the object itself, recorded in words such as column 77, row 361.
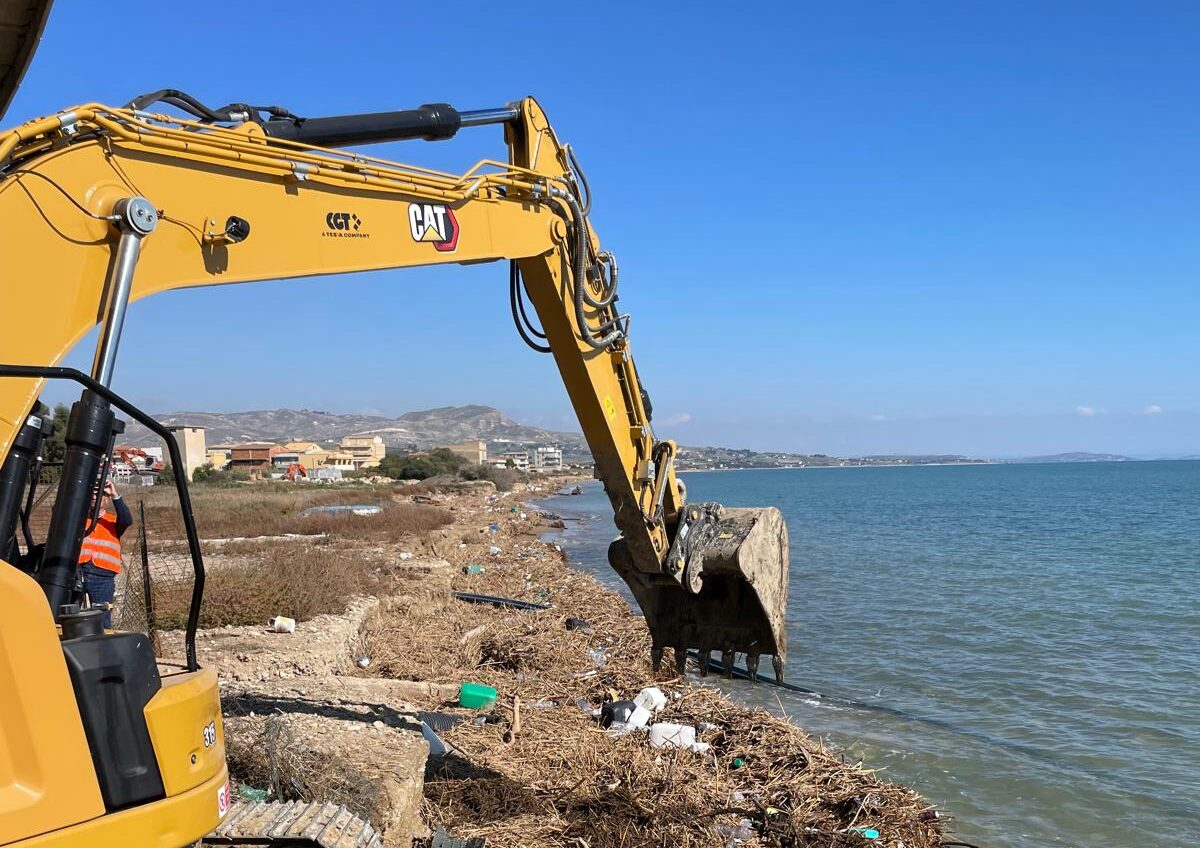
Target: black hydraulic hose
column 179, row 99
column 579, row 280
column 520, row 319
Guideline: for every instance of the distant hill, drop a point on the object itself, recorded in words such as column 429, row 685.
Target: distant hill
column 1075, row 457
column 412, row 430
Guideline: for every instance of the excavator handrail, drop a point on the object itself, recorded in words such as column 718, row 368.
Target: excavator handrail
column 177, row 467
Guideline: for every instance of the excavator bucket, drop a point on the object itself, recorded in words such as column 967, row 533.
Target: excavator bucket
column 732, row 592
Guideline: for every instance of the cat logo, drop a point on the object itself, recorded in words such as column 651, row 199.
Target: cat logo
column 434, row 223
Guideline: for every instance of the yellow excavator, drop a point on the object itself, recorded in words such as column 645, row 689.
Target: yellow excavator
column 101, row 742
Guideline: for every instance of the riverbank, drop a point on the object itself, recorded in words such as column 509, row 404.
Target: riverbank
column 536, row 769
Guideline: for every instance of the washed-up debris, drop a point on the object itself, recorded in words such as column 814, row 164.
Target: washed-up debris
column 363, row 661
column 476, row 696
column 528, row 793
column 441, row 722
column 496, row 601
column 244, row 792
column 579, row 624
column 494, row 550
column 472, row 569
column 442, row 839
column 437, row 748
column 282, row 624
column 665, row 734
column 651, row 698
column 405, row 555
column 343, row 509
column 616, row 712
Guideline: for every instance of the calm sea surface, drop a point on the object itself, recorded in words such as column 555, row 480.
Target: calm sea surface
column 1021, row 643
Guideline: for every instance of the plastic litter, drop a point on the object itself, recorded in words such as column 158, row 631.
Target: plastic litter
column 743, row 831
column 363, row 661
column 738, row 762
column 543, row 704
column 343, row 509
column 243, row 792
column 282, row 624
column 866, row 832
column 522, row 516
column 651, row 698
column 579, row 624
column 476, row 696
column 598, row 656
column 441, row 722
column 442, row 839
column 406, row 555
column 639, row 718
column 668, row 735
column 480, row 721
column 473, row 569
column 437, row 748
column 493, row 550
column 512, row 603
column 616, row 712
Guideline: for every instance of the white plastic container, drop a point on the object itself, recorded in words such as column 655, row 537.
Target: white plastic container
column 651, row 698
column 667, row 735
column 282, row 624
column 640, row 717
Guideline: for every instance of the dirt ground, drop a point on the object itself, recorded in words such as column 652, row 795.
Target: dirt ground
column 553, row 777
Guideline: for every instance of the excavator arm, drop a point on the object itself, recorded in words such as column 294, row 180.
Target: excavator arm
column 104, row 206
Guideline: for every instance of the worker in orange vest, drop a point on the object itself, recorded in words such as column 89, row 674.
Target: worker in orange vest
column 100, row 556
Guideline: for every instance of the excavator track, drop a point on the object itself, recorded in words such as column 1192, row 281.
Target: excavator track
column 294, row 824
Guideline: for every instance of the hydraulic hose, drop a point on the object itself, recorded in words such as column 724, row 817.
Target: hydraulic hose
column 611, row 328
column 609, row 261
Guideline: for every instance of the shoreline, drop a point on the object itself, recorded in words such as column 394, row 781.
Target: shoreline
column 555, row 777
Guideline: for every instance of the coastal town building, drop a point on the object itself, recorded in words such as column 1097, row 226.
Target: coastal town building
column 192, row 450
column 513, row 459
column 367, row 451
column 310, row 455
column 474, row 451
column 253, row 455
column 547, row 458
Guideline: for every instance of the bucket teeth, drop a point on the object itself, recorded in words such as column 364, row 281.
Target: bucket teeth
column 680, row 660
column 705, row 659
column 727, row 658
column 656, row 658
column 777, row 662
column 752, row 666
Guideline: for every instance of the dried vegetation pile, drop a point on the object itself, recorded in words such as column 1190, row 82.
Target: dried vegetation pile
column 562, row 780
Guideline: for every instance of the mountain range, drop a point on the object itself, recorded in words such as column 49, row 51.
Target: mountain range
column 412, row 430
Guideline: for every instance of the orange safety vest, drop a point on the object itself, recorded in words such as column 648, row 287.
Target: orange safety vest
column 101, row 547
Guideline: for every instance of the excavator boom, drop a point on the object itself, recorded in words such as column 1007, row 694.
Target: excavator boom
column 103, row 206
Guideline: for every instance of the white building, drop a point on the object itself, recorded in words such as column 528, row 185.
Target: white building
column 519, row 460
column 548, row 458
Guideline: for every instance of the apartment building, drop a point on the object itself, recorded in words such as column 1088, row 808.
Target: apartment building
column 473, row 451
column 367, row 451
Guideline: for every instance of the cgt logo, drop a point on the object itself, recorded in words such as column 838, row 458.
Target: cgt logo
column 344, row 225
column 434, row 223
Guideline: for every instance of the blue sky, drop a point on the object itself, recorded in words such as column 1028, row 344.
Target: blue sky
column 843, row 227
